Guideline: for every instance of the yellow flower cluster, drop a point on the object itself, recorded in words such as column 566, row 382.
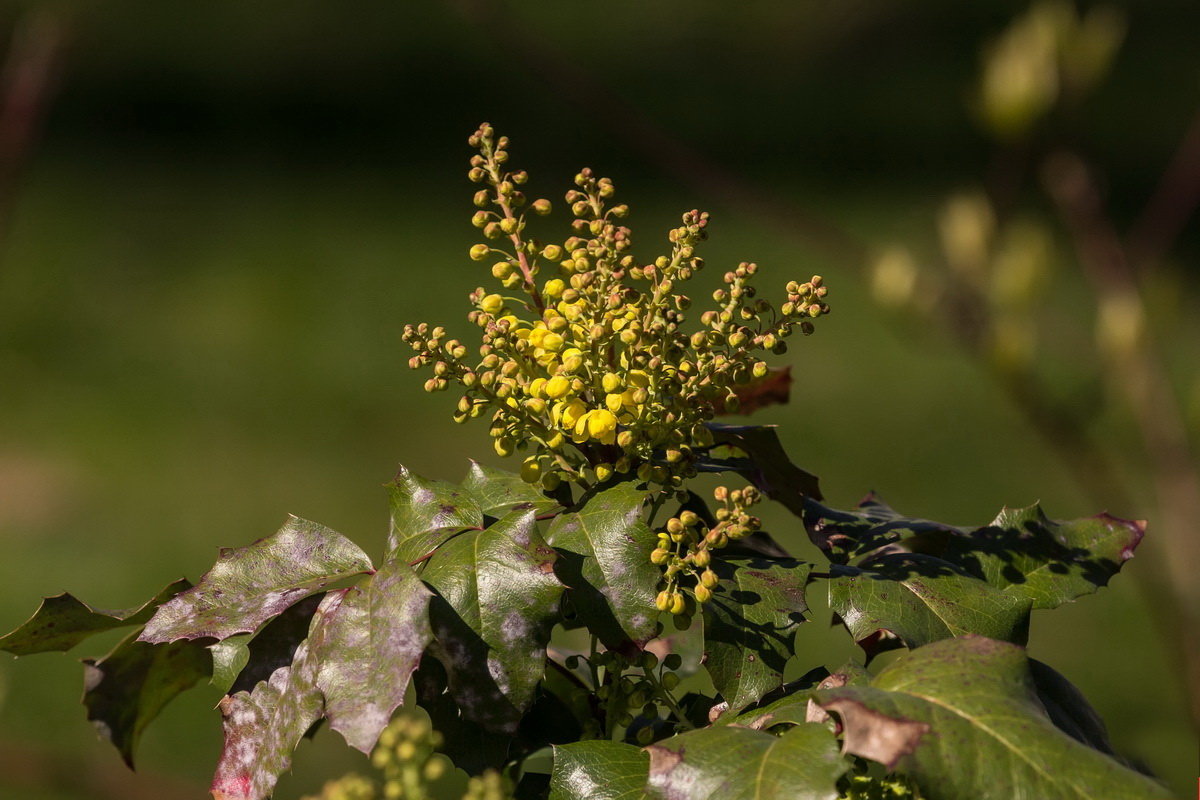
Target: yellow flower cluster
column 590, row 366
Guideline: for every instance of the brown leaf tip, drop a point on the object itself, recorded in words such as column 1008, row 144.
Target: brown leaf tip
column 873, row 735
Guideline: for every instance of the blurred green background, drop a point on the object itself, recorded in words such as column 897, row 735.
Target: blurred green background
column 232, row 209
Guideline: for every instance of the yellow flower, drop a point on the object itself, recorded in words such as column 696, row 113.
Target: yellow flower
column 557, row 387
column 602, row 425
column 492, row 303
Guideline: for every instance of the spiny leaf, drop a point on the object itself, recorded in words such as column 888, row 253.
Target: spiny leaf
column 126, row 689
column 921, row 599
column 497, row 599
column 498, row 492
column 599, row 770
column 369, row 640
column 977, row 698
column 249, row 585
column 605, row 564
column 766, row 465
column 62, row 621
column 731, row 763
column 262, row 727
column 426, row 513
column 241, row 661
column 750, row 625
column 1022, row 551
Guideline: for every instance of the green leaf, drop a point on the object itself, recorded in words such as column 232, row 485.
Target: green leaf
column 750, row 626
column 766, row 465
column 789, row 704
column 1026, row 553
column 497, row 599
column 62, row 621
column 1068, row 709
column 731, row 763
column 426, row 513
column 263, row 726
column 599, row 770
column 498, row 492
column 975, row 700
column 126, row 689
column 369, row 641
column 1021, row 552
column 605, row 564
column 249, row 585
column 241, row 661
column 921, row 599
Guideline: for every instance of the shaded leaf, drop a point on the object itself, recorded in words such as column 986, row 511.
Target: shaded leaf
column 605, row 564
column 241, row 661
column 369, row 640
column 750, row 626
column 498, row 492
column 249, row 585
column 774, row 388
column 732, row 763
column 766, row 464
column 921, row 599
column 497, row 599
column 425, row 513
column 978, row 698
column 599, row 770
column 126, row 689
column 464, row 742
column 791, row 702
column 62, row 621
column 847, row 535
column 1068, row 709
column 262, row 727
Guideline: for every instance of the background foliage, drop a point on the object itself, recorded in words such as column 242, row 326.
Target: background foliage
column 233, row 210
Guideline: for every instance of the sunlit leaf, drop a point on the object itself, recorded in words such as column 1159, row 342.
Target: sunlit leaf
column 599, row 770
column 426, row 513
column 498, row 492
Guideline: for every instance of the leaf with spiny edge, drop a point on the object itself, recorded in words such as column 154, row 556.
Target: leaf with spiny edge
column 750, row 625
column 369, row 640
column 125, row 690
column 249, row 585
column 978, row 701
column 241, row 661
column 497, row 599
column 848, row 535
column 605, row 563
column 766, row 464
column 734, row 763
column 62, row 621
column 498, row 492
column 425, row 513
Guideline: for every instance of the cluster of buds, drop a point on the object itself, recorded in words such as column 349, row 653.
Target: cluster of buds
column 635, row 700
column 491, row 785
column 348, row 787
column 406, row 755
column 584, row 357
column 685, row 548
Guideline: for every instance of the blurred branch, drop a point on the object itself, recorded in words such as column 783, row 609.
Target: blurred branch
column 28, row 80
column 1174, row 201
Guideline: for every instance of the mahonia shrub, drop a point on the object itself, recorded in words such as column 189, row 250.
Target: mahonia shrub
column 590, row 625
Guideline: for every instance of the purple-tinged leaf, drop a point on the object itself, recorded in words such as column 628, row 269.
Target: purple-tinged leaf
column 734, row 763
column 982, row 709
column 262, row 727
column 499, row 493
column 425, row 513
column 766, row 464
column 249, row 585
column 750, row 626
column 370, row 640
column 62, row 621
column 605, row 564
column 124, row 691
column 241, row 661
column 497, row 599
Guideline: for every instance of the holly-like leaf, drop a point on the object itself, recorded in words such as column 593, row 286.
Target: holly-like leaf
column 978, row 700
column 750, row 626
column 262, row 727
column 1026, row 553
column 921, row 599
column 766, row 464
column 126, row 689
column 1022, row 551
column 249, row 585
column 497, row 599
column 426, row 513
column 241, row 661
column 599, row 770
column 62, row 621
column 369, row 641
column 732, row 763
column 498, row 492
column 605, row 564
column 790, row 704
